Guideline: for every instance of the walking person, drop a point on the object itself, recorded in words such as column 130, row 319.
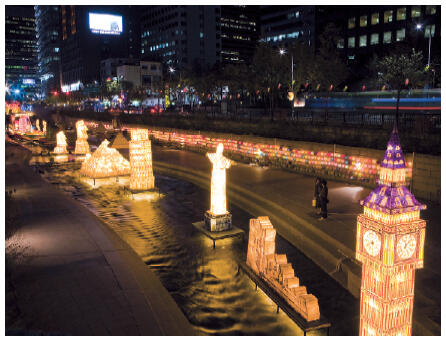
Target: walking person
column 323, row 199
column 317, row 190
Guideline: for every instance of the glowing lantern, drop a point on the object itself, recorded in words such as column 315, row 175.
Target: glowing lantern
column 105, row 162
column 275, row 269
column 38, row 125
column 390, row 245
column 218, row 218
column 140, row 149
column 61, row 147
column 44, row 127
column 290, row 95
column 331, row 87
column 82, row 146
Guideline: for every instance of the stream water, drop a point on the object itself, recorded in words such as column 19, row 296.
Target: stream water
column 204, row 282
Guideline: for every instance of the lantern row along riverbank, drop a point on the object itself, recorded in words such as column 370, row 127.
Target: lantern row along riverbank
column 343, row 163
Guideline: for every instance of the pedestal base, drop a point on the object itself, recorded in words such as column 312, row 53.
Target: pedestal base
column 217, row 223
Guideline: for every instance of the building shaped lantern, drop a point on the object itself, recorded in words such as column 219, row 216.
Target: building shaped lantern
column 218, row 218
column 390, row 245
column 61, row 140
column 82, row 146
column 140, row 150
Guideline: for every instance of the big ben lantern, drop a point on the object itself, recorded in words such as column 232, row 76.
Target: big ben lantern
column 390, row 245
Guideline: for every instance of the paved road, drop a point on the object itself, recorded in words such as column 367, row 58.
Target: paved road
column 294, row 192
column 71, row 275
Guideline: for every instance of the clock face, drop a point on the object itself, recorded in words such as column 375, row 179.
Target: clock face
column 406, row 246
column 371, row 242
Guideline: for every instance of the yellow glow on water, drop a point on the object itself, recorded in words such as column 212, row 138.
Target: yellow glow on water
column 96, row 183
column 147, row 196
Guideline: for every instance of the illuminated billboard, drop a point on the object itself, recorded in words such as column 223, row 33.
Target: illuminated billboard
column 105, row 23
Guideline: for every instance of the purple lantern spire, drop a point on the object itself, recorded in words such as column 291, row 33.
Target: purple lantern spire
column 393, row 157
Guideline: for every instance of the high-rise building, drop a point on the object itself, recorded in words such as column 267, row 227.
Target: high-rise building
column 90, row 34
column 283, row 25
column 21, row 70
column 368, row 30
column 239, row 33
column 181, row 36
column 48, row 47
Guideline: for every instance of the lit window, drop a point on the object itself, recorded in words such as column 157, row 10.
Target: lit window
column 351, row 57
column 363, row 21
column 400, row 35
column 340, row 44
column 374, row 39
column 429, row 30
column 388, row 17
column 416, row 11
column 363, row 41
column 387, row 37
column 351, row 23
column 401, row 13
column 201, row 34
column 430, row 10
column 374, row 19
column 56, row 49
column 351, row 42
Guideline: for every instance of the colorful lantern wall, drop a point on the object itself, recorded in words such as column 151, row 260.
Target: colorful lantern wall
column 390, row 245
column 82, row 146
column 140, row 150
column 275, row 269
column 61, row 147
column 105, row 162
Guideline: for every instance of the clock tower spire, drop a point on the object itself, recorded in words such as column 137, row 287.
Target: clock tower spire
column 390, row 245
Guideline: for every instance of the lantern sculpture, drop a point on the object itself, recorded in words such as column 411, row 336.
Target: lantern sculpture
column 82, row 146
column 44, row 127
column 218, row 218
column 24, row 124
column 105, row 162
column 275, row 269
column 140, row 150
column 61, row 147
column 38, row 125
column 390, row 245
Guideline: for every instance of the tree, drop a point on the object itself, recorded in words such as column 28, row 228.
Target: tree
column 329, row 67
column 397, row 70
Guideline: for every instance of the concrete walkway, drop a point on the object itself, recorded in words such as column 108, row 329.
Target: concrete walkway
column 68, row 274
column 286, row 198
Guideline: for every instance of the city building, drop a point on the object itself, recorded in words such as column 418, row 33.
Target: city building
column 143, row 74
column 48, row 47
column 283, row 25
column 181, row 36
column 368, row 30
column 239, row 33
column 109, row 65
column 21, row 69
column 90, row 34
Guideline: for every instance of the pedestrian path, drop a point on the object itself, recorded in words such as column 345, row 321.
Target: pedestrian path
column 71, row 275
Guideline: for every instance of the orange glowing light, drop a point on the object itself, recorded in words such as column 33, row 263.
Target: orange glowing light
column 140, row 149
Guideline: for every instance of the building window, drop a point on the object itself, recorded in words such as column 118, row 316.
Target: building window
column 431, row 10
column 388, row 17
column 374, row 19
column 351, row 23
column 387, row 37
column 351, row 57
column 363, row 21
column 415, row 12
column 429, row 30
column 401, row 13
column 400, row 35
column 351, row 42
column 374, row 38
column 340, row 44
column 363, row 41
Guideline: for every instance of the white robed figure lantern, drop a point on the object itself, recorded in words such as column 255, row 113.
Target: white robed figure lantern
column 218, row 218
column 44, row 127
column 82, row 146
column 61, row 147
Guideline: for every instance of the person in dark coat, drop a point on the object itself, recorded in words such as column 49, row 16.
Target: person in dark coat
column 317, row 190
column 323, row 199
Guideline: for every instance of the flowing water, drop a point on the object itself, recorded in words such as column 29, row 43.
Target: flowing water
column 204, row 282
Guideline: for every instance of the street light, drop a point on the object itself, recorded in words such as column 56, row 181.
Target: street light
column 419, row 27
column 282, row 52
